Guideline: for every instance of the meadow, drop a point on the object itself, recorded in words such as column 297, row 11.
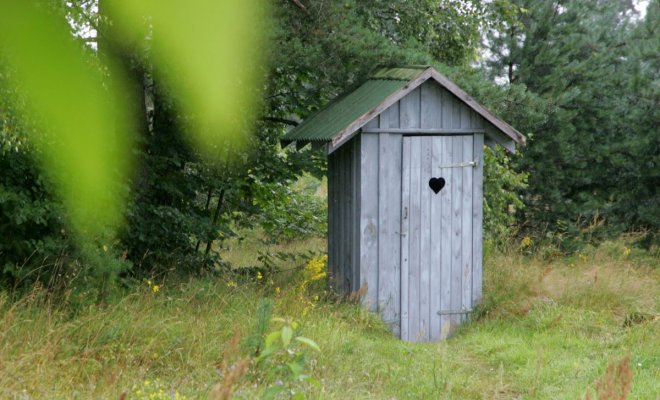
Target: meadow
column 584, row 326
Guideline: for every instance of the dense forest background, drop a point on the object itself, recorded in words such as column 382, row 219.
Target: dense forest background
column 579, row 78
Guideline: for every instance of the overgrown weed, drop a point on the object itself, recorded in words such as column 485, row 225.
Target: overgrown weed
column 547, row 329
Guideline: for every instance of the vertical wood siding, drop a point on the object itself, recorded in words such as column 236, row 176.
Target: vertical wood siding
column 437, row 244
column 343, row 210
column 389, row 209
column 369, row 218
column 477, row 219
column 431, row 260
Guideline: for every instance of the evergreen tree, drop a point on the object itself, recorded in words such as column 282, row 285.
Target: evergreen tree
column 573, row 54
column 637, row 160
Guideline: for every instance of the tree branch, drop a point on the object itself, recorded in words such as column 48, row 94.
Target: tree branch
column 300, row 5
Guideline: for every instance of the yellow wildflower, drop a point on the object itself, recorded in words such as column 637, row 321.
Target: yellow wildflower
column 626, row 251
column 148, row 282
column 526, row 242
column 277, row 290
column 155, row 288
column 231, row 284
column 316, row 269
column 259, row 276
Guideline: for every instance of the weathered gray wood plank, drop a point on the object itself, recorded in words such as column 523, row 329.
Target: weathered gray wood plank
column 436, row 242
column 466, row 115
column 369, row 150
column 389, row 241
column 475, row 120
column 355, row 221
column 331, row 219
column 481, row 123
column 350, row 219
column 477, row 219
column 338, row 224
column 466, row 234
column 405, row 236
column 389, row 119
column 456, row 106
column 373, row 123
column 337, row 233
column 431, row 104
column 343, row 211
column 346, row 258
column 446, row 102
column 415, row 236
column 456, row 200
column 409, row 110
column 446, row 234
column 425, row 263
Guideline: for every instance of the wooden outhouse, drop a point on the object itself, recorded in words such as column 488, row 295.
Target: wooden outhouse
column 405, row 189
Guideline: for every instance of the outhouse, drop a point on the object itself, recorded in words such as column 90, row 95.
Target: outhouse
column 405, row 190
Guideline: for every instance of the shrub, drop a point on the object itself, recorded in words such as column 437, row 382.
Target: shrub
column 289, row 212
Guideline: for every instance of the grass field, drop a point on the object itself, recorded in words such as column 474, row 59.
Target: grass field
column 546, row 330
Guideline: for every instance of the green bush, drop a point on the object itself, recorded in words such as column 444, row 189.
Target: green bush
column 502, row 185
column 290, row 212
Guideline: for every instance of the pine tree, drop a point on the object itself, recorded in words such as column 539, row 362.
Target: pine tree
column 572, row 54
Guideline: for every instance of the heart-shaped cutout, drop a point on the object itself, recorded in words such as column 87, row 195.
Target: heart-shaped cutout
column 436, row 184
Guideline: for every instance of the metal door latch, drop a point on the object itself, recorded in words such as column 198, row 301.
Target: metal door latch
column 460, row 165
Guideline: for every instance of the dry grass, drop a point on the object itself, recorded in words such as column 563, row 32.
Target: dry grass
column 546, row 330
column 616, row 382
column 593, row 280
column 244, row 252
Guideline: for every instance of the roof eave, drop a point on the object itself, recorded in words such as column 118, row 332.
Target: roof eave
column 498, row 131
column 502, row 126
column 352, row 129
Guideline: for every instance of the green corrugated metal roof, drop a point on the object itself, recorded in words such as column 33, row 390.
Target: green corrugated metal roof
column 403, row 73
column 340, row 114
column 325, row 124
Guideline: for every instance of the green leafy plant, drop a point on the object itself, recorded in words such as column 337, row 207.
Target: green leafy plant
column 155, row 390
column 286, row 213
column 502, row 185
column 282, row 363
column 255, row 342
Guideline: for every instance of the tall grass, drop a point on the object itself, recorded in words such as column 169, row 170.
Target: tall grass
column 546, row 330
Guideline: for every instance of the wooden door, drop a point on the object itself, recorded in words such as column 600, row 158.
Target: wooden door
column 436, row 235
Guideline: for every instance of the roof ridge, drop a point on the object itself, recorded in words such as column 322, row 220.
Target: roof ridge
column 407, row 66
column 401, row 73
column 342, row 117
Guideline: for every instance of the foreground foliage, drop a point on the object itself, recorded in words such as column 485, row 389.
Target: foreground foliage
column 582, row 85
column 546, row 330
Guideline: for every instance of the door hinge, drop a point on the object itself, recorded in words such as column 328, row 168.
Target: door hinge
column 452, row 312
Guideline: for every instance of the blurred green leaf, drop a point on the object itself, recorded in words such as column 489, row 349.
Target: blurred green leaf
column 85, row 145
column 268, row 343
column 308, row 342
column 287, row 334
column 209, row 53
